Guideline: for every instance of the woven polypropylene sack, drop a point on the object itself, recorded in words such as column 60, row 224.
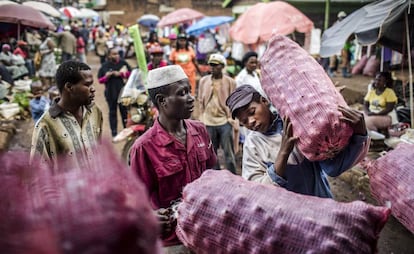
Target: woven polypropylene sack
column 102, row 209
column 371, row 67
column 359, row 66
column 224, row 213
column 299, row 88
column 391, row 179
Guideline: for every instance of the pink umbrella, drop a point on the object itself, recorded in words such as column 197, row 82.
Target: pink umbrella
column 263, row 20
column 24, row 15
column 180, row 16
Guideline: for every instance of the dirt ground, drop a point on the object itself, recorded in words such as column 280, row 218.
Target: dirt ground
column 394, row 238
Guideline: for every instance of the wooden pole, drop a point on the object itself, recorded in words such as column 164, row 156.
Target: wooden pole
column 410, row 71
column 327, row 12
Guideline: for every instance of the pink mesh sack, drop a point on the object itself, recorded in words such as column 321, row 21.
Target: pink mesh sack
column 223, row 213
column 371, row 67
column 359, row 66
column 391, row 179
column 299, row 88
column 99, row 210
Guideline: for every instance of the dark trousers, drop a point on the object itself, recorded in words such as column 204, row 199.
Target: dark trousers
column 222, row 135
column 102, row 59
column 113, row 117
column 66, row 57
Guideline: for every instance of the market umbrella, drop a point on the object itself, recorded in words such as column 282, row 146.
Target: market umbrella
column 148, row 20
column 263, row 20
column 3, row 2
column 381, row 21
column 208, row 23
column 43, row 7
column 69, row 11
column 387, row 22
column 24, row 15
column 86, row 13
column 180, row 16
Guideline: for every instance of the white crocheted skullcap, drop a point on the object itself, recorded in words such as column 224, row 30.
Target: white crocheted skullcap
column 164, row 76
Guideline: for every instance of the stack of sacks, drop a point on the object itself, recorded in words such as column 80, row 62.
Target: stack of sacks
column 299, row 88
column 391, row 179
column 223, row 213
column 101, row 210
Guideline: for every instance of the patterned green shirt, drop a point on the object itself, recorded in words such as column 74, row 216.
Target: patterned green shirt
column 59, row 133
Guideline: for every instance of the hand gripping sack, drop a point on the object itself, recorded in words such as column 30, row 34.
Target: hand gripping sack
column 224, row 213
column 391, row 179
column 299, row 88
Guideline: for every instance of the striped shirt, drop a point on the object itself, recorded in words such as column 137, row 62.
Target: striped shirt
column 58, row 133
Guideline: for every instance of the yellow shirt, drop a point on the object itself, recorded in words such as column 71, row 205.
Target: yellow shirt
column 379, row 102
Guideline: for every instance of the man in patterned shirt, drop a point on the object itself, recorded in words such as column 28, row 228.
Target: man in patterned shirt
column 73, row 124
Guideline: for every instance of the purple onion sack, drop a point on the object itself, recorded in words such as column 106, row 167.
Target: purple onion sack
column 391, row 179
column 299, row 88
column 104, row 209
column 223, row 213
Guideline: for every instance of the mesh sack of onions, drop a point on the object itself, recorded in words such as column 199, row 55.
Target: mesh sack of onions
column 299, row 88
column 391, row 179
column 223, row 213
column 104, row 209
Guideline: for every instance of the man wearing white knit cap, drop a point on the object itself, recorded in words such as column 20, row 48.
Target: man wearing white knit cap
column 174, row 151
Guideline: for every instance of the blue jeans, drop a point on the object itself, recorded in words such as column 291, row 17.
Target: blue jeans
column 222, row 135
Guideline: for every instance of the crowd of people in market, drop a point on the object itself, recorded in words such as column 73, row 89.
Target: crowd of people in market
column 234, row 113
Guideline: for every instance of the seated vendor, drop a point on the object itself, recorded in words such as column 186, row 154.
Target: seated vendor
column 15, row 64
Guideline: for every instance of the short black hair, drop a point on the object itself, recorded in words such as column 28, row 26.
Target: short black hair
column 68, row 72
column 158, row 90
column 247, row 56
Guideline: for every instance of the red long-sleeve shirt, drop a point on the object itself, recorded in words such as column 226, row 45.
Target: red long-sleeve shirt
column 165, row 165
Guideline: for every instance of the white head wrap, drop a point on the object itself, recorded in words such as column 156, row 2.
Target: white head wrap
column 164, row 76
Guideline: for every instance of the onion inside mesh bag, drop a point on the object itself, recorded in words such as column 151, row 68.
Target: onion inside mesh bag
column 224, row 213
column 391, row 178
column 299, row 88
column 104, row 209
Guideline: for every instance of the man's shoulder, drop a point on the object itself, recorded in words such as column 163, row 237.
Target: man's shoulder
column 253, row 138
column 147, row 139
column 45, row 121
column 196, row 124
column 205, row 79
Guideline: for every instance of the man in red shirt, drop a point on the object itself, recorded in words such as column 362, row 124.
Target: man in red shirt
column 174, row 152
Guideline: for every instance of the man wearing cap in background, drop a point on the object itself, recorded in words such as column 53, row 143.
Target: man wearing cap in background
column 344, row 54
column 270, row 155
column 67, row 42
column 213, row 91
column 174, row 151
